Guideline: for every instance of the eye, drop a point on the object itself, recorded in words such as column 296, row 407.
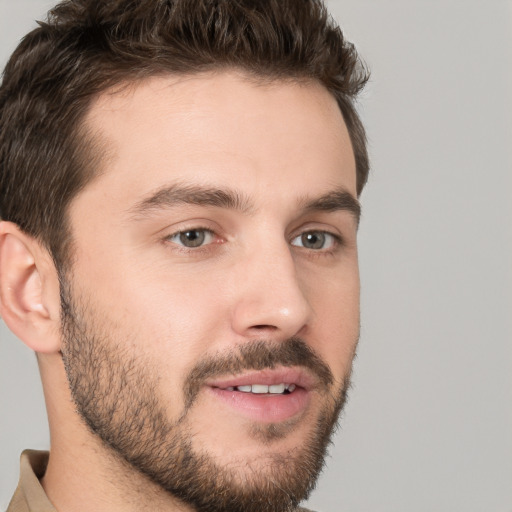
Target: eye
column 192, row 238
column 315, row 240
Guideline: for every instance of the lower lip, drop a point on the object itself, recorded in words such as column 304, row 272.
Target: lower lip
column 265, row 408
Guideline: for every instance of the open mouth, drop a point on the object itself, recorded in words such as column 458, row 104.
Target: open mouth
column 266, row 396
column 263, row 389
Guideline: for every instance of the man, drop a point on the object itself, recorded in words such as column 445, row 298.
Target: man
column 178, row 189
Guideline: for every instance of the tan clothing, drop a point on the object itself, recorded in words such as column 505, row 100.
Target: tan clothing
column 29, row 495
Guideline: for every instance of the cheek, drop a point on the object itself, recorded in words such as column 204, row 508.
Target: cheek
column 335, row 328
column 167, row 316
column 179, row 314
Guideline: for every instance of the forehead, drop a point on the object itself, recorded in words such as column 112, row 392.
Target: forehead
column 221, row 129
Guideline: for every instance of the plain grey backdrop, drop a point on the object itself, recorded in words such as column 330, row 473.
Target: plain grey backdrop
column 429, row 423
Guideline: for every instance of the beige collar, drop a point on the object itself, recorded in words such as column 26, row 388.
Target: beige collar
column 30, row 495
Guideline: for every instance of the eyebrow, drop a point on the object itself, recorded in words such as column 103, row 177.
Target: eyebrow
column 178, row 194
column 174, row 195
column 336, row 200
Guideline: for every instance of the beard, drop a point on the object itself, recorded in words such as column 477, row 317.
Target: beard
column 116, row 395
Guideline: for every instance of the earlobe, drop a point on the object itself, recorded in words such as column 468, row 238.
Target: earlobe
column 26, row 306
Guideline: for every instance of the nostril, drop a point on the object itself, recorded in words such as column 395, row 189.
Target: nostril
column 264, row 327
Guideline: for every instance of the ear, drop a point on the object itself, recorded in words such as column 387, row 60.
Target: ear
column 29, row 290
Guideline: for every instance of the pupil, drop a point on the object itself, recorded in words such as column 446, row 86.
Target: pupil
column 313, row 240
column 192, row 238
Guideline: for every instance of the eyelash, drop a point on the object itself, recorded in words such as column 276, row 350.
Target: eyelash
column 337, row 241
column 198, row 249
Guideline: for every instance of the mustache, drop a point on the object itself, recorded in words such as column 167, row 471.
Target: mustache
column 257, row 355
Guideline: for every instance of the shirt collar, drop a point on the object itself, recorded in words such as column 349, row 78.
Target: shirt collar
column 30, row 495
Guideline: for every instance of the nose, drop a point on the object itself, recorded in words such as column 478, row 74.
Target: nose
column 270, row 299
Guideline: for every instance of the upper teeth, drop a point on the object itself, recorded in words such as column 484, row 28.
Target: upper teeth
column 262, row 388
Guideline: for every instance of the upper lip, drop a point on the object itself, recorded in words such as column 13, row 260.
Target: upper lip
column 298, row 376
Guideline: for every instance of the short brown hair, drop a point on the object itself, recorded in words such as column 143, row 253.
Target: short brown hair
column 87, row 46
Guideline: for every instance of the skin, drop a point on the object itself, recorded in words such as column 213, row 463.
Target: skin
column 279, row 146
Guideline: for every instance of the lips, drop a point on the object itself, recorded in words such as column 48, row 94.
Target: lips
column 265, row 396
column 263, row 389
column 275, row 377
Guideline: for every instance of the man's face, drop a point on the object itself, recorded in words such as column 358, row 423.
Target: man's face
column 212, row 310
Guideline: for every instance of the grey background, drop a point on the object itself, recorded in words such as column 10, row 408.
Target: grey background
column 429, row 423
